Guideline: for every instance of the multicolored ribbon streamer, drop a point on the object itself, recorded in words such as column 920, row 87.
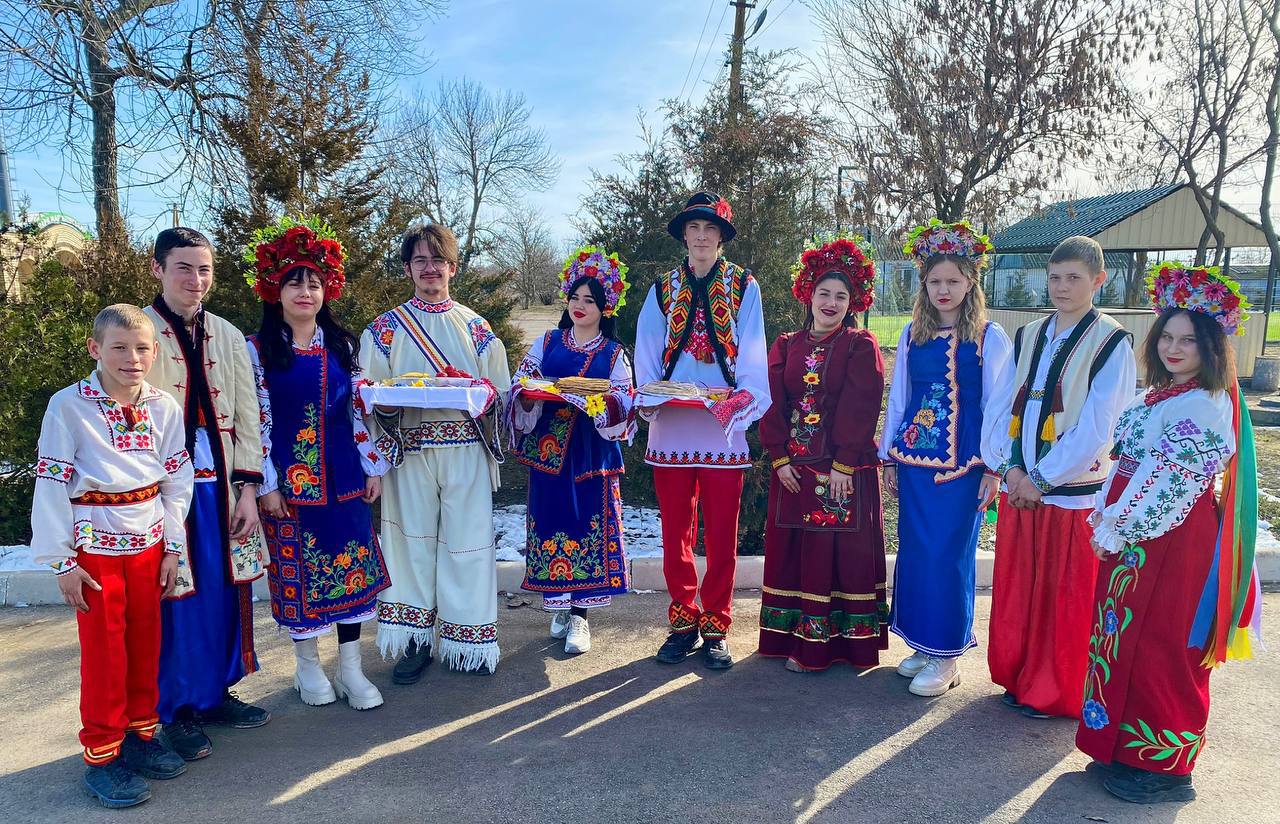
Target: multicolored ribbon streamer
column 1232, row 596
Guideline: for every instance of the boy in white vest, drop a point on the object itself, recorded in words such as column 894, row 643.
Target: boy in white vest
column 1074, row 374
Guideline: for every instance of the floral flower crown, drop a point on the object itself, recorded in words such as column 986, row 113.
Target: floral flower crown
column 595, row 262
column 294, row 241
column 938, row 238
column 1198, row 289
column 850, row 255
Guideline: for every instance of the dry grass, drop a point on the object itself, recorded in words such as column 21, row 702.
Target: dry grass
column 1267, row 441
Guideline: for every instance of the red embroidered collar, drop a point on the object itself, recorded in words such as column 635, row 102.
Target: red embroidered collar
column 1154, row 395
column 431, row 308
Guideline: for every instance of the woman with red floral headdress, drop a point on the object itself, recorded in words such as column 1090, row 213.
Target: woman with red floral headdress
column 824, row 568
column 320, row 468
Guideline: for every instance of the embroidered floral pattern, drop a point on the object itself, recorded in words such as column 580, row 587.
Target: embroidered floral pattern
column 822, row 628
column 806, row 420
column 329, row 577
column 52, row 469
column 1168, row 745
column 547, row 452
column 393, row 613
column 661, row 457
column 469, row 634
column 831, row 511
column 383, row 332
column 1110, row 622
column 561, row 558
column 924, row 431
column 304, row 477
column 481, row 334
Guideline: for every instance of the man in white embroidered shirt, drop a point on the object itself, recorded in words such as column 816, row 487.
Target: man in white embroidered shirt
column 437, row 504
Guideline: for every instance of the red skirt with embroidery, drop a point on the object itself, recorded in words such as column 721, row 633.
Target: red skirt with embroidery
column 1146, row 697
column 824, row 574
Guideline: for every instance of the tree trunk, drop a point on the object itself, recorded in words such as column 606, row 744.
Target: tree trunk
column 106, row 152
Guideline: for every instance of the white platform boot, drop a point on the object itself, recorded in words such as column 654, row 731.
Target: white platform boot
column 350, row 682
column 309, row 678
column 938, row 676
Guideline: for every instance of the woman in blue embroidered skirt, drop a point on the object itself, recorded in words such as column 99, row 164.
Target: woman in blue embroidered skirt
column 950, row 361
column 320, row 467
column 574, row 555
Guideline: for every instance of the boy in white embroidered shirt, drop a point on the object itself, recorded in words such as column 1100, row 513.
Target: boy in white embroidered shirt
column 113, row 484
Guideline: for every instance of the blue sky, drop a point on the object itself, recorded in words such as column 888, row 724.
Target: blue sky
column 584, row 67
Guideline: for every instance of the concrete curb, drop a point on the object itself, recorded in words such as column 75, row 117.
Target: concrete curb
column 38, row 588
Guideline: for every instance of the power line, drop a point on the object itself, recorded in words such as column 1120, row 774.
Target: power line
column 710, row 48
column 710, row 7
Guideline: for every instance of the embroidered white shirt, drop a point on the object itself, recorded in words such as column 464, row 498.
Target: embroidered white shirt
column 87, row 445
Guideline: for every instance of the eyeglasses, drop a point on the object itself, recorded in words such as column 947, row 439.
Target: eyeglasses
column 420, row 264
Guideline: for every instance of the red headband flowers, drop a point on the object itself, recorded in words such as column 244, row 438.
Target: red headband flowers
column 292, row 242
column 849, row 255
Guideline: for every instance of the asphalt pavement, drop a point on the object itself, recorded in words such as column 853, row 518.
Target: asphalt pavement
column 614, row 737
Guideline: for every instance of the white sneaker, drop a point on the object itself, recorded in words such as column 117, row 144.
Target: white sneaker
column 560, row 623
column 938, row 676
column 351, row 682
column 579, row 638
column 309, row 679
column 912, row 664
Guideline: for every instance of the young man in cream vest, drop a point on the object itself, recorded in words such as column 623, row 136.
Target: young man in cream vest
column 203, row 362
column 1074, row 374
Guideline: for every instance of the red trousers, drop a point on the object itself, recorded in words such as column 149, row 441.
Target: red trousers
column 679, row 491
column 1042, row 606
column 119, row 651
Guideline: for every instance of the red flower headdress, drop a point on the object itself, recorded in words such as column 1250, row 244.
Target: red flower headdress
column 851, row 256
column 301, row 241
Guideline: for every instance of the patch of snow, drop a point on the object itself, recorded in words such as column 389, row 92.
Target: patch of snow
column 1266, row 538
column 641, row 530
column 17, row 558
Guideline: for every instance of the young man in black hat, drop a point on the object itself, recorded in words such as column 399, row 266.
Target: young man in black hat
column 702, row 323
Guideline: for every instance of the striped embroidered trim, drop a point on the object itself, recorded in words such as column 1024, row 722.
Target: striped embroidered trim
column 782, row 462
column 843, row 596
column 943, row 477
column 63, row 567
column 54, row 469
column 96, row 497
column 97, row 756
column 1038, row 479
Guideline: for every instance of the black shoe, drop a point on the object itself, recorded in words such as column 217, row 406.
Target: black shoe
column 233, row 712
column 187, row 739
column 1102, row 771
column 1009, row 700
column 677, row 647
column 115, row 786
column 1032, row 712
column 409, row 669
column 1142, row 787
column 151, row 758
column 716, row 655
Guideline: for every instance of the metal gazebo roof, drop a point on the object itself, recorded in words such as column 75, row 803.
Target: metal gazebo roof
column 1163, row 218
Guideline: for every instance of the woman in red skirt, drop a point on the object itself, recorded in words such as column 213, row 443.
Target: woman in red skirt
column 824, row 565
column 1170, row 593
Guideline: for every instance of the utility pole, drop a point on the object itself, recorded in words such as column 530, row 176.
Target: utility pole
column 173, row 208
column 735, row 56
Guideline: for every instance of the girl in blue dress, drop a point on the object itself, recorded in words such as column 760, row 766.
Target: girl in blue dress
column 320, row 468
column 575, row 555
column 950, row 362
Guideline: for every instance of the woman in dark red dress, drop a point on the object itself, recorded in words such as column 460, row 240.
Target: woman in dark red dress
column 824, row 573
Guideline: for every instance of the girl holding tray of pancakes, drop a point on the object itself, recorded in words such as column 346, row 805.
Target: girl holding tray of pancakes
column 824, row 569
column 568, row 435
